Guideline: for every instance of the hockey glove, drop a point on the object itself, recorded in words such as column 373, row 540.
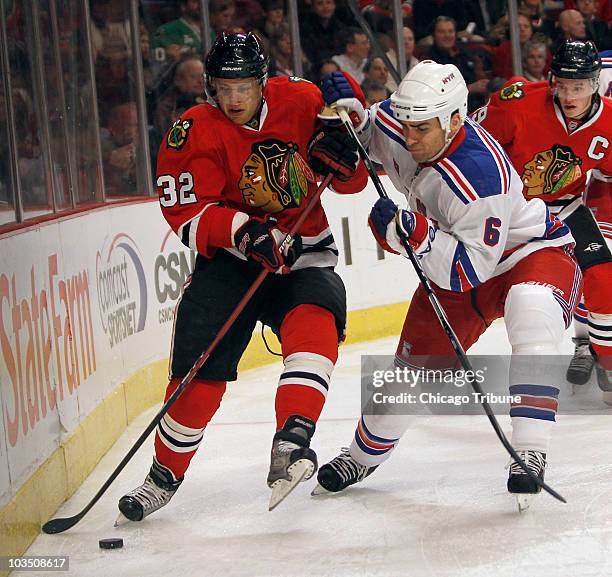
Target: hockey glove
column 337, row 89
column 260, row 241
column 333, row 152
column 391, row 225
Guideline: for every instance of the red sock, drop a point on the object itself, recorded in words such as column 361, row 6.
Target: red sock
column 310, row 349
column 597, row 280
column 179, row 433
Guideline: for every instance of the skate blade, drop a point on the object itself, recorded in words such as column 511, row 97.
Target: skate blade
column 121, row 520
column 302, row 468
column 523, row 502
column 319, row 490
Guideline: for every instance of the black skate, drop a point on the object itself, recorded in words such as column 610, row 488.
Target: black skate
column 604, row 380
column 340, row 473
column 156, row 491
column 520, row 484
column 291, row 459
column 581, row 365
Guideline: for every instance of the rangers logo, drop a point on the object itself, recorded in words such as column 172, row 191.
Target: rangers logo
column 512, row 91
column 178, row 133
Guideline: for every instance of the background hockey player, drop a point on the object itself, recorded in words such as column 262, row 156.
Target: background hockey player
column 556, row 133
column 598, row 198
column 225, row 168
column 490, row 253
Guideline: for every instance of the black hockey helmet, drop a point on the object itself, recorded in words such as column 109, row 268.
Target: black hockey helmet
column 576, row 59
column 236, row 56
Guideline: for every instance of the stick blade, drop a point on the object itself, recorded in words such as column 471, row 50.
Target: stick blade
column 60, row 525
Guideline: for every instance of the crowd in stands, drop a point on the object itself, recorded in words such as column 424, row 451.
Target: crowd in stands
column 472, row 34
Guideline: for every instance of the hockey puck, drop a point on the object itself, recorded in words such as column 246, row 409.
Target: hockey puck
column 115, row 543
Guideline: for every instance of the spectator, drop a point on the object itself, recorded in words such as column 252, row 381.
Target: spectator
column 570, row 26
column 411, row 60
column 533, row 10
column 183, row 35
column 427, row 11
column 603, row 10
column 502, row 61
column 534, row 61
column 379, row 15
column 446, row 51
column 113, row 79
column 188, row 81
column 374, row 92
column 596, row 29
column 484, row 15
column 248, row 15
column 326, row 67
column 222, row 14
column 110, row 27
column 275, row 17
column 375, row 71
column 281, row 55
column 319, row 31
column 119, row 149
column 356, row 47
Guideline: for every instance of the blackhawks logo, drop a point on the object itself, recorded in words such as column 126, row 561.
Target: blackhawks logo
column 512, row 91
column 551, row 170
column 275, row 176
column 177, row 136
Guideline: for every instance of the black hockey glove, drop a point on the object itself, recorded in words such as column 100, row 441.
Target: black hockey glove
column 260, row 241
column 333, row 152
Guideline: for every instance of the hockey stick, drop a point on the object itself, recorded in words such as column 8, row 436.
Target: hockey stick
column 62, row 524
column 439, row 311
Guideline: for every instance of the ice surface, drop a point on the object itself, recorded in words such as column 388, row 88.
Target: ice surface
column 437, row 508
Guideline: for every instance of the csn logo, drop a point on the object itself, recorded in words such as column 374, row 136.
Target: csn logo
column 172, row 269
column 122, row 289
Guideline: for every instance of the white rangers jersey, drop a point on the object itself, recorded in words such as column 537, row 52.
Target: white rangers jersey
column 480, row 224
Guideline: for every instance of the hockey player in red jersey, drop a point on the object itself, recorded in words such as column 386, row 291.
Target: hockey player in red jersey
column 233, row 175
column 557, row 133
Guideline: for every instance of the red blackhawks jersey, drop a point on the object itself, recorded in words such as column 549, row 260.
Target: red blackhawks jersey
column 213, row 174
column 553, row 159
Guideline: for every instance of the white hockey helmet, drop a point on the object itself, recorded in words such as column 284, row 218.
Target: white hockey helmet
column 431, row 90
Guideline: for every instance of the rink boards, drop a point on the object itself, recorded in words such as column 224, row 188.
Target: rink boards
column 86, row 311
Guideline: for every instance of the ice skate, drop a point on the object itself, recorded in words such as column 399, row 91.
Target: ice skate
column 341, row 472
column 581, row 365
column 156, row 491
column 604, row 380
column 520, row 484
column 291, row 459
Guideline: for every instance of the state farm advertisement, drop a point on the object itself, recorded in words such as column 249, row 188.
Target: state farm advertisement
column 84, row 303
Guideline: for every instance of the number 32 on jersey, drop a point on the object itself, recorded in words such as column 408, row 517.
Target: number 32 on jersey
column 170, row 196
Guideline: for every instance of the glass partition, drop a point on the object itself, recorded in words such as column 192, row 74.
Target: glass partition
column 33, row 164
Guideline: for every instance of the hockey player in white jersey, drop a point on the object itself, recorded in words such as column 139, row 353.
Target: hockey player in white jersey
column 490, row 253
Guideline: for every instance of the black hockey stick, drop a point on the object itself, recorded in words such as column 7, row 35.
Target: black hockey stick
column 439, row 311
column 62, row 524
